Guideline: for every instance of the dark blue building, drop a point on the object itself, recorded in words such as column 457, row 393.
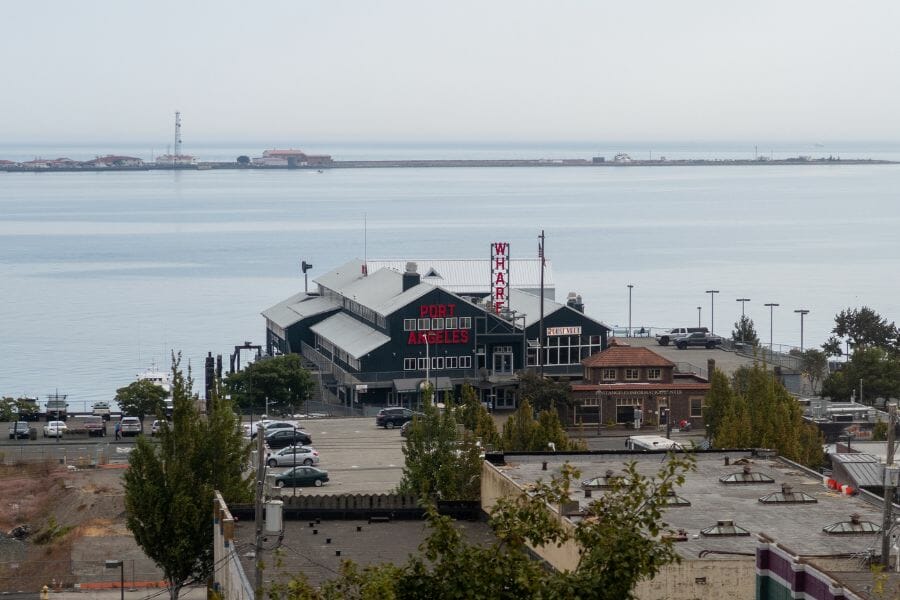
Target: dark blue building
column 377, row 336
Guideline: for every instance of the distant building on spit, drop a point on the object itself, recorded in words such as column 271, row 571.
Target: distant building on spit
column 292, row 158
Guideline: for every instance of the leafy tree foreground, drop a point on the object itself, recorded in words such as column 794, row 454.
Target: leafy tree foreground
column 622, row 540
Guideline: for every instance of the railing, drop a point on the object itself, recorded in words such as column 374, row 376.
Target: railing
column 686, row 367
column 68, row 454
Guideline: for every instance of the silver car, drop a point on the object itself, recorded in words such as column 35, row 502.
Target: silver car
column 293, row 455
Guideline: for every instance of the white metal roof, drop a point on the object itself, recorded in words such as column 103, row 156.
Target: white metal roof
column 473, row 275
column 350, row 335
column 342, row 276
column 297, row 307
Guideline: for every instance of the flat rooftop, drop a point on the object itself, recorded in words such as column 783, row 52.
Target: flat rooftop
column 306, row 549
column 799, row 526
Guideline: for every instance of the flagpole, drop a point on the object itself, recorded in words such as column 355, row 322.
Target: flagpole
column 541, row 324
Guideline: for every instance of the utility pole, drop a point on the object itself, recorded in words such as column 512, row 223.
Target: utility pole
column 890, row 484
column 771, row 306
column 802, row 312
column 630, row 286
column 541, row 324
column 743, row 301
column 260, row 479
column 712, row 310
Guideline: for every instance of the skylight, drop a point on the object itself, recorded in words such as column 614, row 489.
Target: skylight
column 724, row 529
column 787, row 496
column 746, row 476
column 854, row 525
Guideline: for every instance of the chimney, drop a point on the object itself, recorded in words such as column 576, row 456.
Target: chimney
column 411, row 278
column 573, row 300
column 710, row 368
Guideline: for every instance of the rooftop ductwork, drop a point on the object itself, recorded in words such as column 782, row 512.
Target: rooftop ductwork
column 411, row 277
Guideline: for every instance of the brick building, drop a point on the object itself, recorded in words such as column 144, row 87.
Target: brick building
column 622, row 383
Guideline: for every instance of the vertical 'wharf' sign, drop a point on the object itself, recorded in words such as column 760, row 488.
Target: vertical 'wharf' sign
column 499, row 276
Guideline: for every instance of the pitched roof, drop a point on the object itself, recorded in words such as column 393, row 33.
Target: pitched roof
column 472, row 275
column 352, row 336
column 298, row 307
column 626, row 356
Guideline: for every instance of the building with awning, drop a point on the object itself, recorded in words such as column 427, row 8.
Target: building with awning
column 377, row 336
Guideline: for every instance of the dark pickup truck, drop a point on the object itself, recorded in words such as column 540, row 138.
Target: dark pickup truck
column 698, row 338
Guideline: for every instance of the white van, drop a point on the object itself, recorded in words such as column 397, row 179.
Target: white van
column 651, row 442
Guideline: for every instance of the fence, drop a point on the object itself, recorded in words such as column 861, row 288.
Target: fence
column 79, row 574
column 76, row 455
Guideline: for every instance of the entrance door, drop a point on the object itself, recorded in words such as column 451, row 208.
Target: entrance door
column 503, row 363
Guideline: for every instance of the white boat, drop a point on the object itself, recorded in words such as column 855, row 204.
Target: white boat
column 161, row 378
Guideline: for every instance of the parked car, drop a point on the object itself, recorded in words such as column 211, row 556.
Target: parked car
column 291, row 456
column 130, row 426
column 287, row 437
column 301, row 476
column 393, row 417
column 673, row 335
column 698, row 338
column 271, row 426
column 19, row 430
column 55, row 429
column 101, row 409
column 156, row 426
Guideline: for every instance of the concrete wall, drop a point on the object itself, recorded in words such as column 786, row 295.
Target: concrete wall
column 229, row 579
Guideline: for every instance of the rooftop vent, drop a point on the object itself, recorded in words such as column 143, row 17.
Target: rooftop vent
column 787, row 495
column 725, row 529
column 853, row 526
column 433, row 273
column 746, row 476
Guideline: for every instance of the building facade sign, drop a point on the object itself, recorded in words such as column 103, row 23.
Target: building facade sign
column 576, row 330
column 499, row 276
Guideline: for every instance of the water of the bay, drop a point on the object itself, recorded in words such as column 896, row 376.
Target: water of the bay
column 104, row 274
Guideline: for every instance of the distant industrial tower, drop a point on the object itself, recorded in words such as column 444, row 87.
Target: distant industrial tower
column 177, row 133
column 176, row 160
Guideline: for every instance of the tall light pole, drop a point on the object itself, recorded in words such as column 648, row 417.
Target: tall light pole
column 771, row 306
column 742, row 301
column 802, row 312
column 630, row 286
column 699, row 308
column 712, row 310
column 428, row 364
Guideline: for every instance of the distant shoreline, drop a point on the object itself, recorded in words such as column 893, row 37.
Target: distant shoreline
column 455, row 163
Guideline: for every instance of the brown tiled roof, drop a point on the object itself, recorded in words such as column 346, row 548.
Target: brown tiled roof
column 626, row 356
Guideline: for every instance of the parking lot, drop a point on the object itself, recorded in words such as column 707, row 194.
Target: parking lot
column 359, row 457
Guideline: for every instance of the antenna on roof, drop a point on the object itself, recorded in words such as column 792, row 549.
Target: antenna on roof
column 366, row 242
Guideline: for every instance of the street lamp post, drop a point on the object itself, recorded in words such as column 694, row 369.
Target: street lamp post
column 630, row 286
column 699, row 308
column 428, row 362
column 771, row 306
column 112, row 564
column 802, row 312
column 742, row 328
column 712, row 310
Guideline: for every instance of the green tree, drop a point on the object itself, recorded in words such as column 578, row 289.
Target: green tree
column 281, row 380
column 763, row 414
column 543, row 393
column 141, row 398
column 169, row 486
column 624, row 544
column 719, row 400
column 880, row 431
column 744, row 331
column 440, row 460
column 472, row 415
column 862, row 328
column 878, row 369
column 523, row 433
column 813, row 365
column 6, row 410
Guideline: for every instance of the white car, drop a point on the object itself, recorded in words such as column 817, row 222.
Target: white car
column 293, row 455
column 130, row 426
column 157, row 425
column 55, row 429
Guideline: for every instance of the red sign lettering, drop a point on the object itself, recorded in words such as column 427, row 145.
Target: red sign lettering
column 438, row 337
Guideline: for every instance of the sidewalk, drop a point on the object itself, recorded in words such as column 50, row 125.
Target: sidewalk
column 192, row 593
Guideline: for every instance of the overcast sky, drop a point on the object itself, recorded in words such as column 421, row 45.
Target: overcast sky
column 418, row 70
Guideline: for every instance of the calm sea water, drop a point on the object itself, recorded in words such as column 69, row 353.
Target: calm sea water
column 104, row 274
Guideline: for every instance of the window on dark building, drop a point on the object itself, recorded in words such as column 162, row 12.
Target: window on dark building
column 424, row 324
column 632, row 374
column 465, row 322
column 423, row 364
column 452, row 362
column 450, row 323
column 654, row 373
column 409, row 324
column 437, row 323
column 409, row 364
